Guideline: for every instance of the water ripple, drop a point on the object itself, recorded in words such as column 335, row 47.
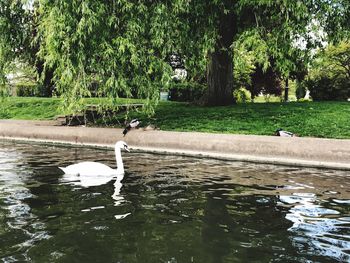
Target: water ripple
column 168, row 209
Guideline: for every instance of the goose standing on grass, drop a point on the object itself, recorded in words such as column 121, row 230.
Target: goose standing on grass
column 133, row 124
column 95, row 170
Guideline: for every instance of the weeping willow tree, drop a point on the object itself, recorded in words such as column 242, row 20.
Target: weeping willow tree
column 112, row 48
column 15, row 37
column 120, row 47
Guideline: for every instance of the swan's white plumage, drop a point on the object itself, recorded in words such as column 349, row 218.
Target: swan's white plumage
column 88, row 169
column 94, row 173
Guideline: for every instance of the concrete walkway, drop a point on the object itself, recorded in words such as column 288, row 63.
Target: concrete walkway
column 295, row 151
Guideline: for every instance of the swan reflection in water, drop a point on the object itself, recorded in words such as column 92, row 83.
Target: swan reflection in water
column 97, row 180
column 90, row 181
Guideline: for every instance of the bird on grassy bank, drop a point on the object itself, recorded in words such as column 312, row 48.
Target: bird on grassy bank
column 133, row 124
column 280, row 132
column 92, row 171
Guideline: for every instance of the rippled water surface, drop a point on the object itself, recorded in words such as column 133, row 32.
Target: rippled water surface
column 169, row 209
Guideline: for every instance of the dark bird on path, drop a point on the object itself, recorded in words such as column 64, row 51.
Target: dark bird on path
column 133, row 124
column 282, row 133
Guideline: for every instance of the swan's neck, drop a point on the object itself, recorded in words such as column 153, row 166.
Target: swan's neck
column 120, row 165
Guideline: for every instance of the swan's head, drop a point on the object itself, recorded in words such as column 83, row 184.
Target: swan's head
column 122, row 145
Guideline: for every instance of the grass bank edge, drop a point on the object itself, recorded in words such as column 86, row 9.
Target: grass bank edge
column 311, row 119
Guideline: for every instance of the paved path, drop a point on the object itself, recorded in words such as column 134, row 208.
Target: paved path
column 295, row 151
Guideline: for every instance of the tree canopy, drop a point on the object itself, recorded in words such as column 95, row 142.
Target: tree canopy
column 15, row 31
column 114, row 48
column 329, row 77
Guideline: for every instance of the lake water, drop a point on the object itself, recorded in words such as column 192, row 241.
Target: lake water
column 169, row 209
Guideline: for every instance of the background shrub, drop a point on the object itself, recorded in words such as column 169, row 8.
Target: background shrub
column 300, row 91
column 28, row 90
column 328, row 88
column 242, row 95
column 186, row 91
column 329, row 77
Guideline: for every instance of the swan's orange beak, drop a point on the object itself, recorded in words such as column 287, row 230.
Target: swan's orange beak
column 126, row 148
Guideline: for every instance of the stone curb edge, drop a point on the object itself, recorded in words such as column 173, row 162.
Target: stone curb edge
column 222, row 156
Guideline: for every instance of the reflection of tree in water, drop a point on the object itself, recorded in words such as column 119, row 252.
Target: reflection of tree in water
column 216, row 220
column 43, row 182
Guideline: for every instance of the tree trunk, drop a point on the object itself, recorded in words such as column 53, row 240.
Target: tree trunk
column 46, row 76
column 286, row 91
column 220, row 64
column 48, row 84
column 219, row 79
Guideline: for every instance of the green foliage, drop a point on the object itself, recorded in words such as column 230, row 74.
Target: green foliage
column 329, row 77
column 251, row 49
column 333, row 61
column 186, row 91
column 258, row 69
column 27, row 90
column 300, row 91
column 122, row 46
column 15, row 32
column 327, row 88
column 335, row 18
column 242, row 95
column 244, row 65
column 268, row 82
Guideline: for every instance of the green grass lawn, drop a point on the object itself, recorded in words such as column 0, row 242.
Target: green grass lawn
column 315, row 119
column 32, row 108
column 29, row 108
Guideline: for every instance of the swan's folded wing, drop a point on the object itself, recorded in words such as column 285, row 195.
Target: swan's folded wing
column 89, row 169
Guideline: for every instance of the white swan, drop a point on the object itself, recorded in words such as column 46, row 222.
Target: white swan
column 85, row 169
